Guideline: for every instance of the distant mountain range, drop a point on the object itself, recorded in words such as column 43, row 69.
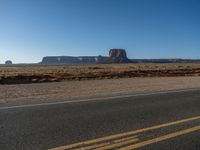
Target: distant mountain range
column 96, row 60
column 174, row 60
column 115, row 56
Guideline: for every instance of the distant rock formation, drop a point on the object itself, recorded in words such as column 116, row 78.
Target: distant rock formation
column 174, row 60
column 115, row 56
column 73, row 60
column 118, row 56
column 92, row 59
column 8, row 62
column 60, row 60
column 101, row 59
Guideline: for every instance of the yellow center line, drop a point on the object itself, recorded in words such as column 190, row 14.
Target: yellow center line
column 162, row 138
column 118, row 144
column 124, row 139
column 93, row 146
column 94, row 141
column 109, row 144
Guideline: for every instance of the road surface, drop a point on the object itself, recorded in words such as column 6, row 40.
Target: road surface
column 167, row 121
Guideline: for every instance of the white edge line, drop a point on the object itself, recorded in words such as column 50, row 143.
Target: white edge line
column 95, row 99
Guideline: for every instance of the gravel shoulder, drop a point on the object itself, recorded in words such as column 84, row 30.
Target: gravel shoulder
column 72, row 90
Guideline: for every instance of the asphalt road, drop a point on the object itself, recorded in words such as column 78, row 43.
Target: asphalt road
column 167, row 121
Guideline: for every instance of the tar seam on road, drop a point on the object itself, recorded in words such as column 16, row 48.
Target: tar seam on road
column 96, row 99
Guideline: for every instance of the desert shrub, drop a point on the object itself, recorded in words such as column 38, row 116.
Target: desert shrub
column 95, row 68
column 180, row 66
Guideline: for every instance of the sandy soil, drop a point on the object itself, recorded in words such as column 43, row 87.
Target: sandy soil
column 71, row 90
column 37, row 73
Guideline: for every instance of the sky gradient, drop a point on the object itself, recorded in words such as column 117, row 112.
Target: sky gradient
column 31, row 29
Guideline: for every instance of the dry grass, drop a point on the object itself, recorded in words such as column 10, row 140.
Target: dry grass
column 51, row 73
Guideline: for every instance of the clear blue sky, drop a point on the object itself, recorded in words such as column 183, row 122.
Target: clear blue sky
column 31, row 29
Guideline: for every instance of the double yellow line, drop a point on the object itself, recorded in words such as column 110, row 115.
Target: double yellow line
column 162, row 138
column 130, row 138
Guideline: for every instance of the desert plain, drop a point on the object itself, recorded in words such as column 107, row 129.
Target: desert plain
column 25, row 84
column 19, row 74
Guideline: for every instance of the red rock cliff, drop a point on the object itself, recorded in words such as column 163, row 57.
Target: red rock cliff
column 118, row 56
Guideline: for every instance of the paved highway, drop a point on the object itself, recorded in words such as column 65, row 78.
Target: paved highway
column 167, row 121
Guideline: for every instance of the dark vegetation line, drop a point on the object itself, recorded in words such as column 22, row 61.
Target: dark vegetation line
column 58, row 77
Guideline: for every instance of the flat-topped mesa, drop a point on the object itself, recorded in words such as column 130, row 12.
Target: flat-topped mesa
column 118, row 56
column 73, row 60
column 60, row 60
column 115, row 56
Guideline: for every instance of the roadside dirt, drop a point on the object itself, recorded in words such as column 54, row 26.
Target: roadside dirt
column 27, row 74
column 42, row 78
column 71, row 90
